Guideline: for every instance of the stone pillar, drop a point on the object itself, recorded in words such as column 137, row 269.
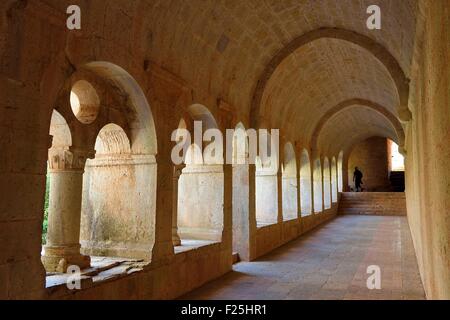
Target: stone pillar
column 244, row 210
column 227, row 231
column 163, row 247
column 299, row 196
column 66, row 168
column 280, row 217
column 252, row 212
column 176, row 176
column 311, row 177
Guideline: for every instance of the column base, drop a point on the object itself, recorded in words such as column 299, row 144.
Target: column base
column 176, row 241
column 175, row 237
column 58, row 259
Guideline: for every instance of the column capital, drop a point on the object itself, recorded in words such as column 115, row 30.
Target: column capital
column 70, row 159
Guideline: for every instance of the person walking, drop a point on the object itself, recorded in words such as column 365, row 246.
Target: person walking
column 357, row 178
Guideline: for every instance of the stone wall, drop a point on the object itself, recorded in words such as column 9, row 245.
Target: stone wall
column 428, row 149
column 273, row 236
column 371, row 157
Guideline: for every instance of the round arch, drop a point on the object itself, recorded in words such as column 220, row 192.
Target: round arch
column 305, row 184
column 317, row 185
column 380, row 52
column 60, row 131
column 354, row 102
column 142, row 126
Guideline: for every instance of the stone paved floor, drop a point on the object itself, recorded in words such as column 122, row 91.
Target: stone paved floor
column 329, row 263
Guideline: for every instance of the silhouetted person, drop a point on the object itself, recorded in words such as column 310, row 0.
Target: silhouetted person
column 357, row 178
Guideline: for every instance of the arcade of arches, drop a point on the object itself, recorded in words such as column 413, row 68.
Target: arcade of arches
column 87, row 118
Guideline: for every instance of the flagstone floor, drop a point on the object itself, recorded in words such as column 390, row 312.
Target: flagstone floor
column 330, row 262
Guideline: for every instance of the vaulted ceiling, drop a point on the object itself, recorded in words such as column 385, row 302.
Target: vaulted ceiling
column 223, row 48
column 230, row 43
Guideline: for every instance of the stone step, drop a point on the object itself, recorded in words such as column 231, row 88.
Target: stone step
column 373, row 203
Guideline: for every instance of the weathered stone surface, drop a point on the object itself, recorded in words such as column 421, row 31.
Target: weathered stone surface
column 309, row 68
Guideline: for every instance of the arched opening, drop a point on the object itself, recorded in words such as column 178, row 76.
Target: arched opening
column 334, row 179
column 61, row 140
column 115, row 192
column 305, row 184
column 317, row 173
column 65, row 178
column 200, row 185
column 289, row 184
column 266, row 180
column 380, row 163
column 349, row 106
column 396, row 159
column 326, row 184
column 396, row 167
column 340, row 170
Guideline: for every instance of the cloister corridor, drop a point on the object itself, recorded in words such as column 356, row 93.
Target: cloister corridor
column 329, row 262
column 224, row 149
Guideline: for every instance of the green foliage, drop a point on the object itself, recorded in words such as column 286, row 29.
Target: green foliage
column 45, row 223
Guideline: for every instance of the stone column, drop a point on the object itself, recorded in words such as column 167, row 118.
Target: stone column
column 176, row 176
column 279, row 176
column 66, row 168
column 298, row 193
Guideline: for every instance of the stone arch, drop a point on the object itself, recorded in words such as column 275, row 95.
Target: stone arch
column 241, row 141
column 289, row 183
column 266, row 187
column 200, row 203
column 198, row 113
column 318, row 186
column 64, row 178
column 141, row 122
column 266, row 180
column 305, row 184
column 126, row 161
column 351, row 103
column 358, row 125
column 61, row 139
column 60, row 131
column 380, row 52
column 326, row 184
column 347, row 151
